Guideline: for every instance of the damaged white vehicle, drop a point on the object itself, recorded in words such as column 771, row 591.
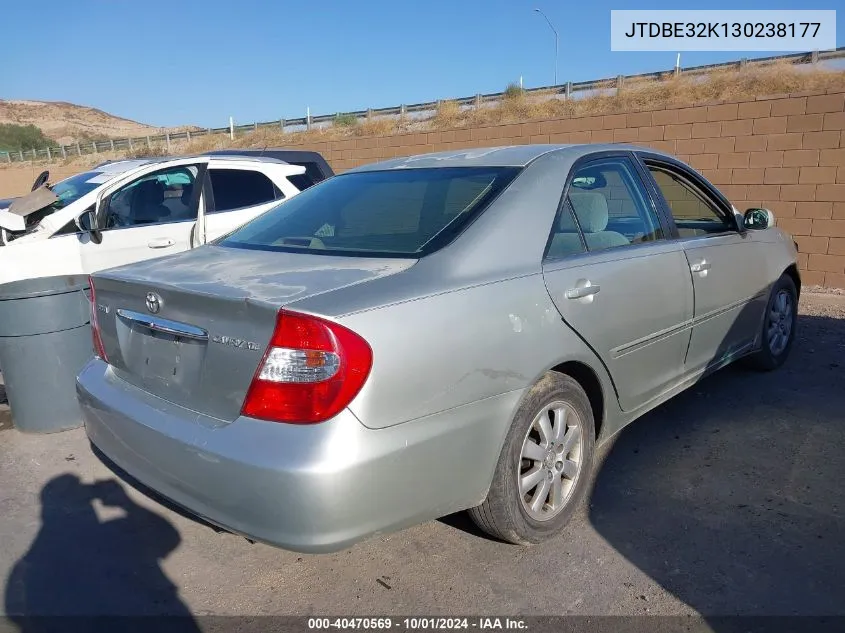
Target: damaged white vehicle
column 127, row 211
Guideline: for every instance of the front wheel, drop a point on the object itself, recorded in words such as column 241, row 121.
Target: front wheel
column 545, row 466
column 779, row 325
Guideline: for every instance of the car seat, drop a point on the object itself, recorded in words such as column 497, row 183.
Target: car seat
column 591, row 210
column 187, row 193
column 180, row 208
column 148, row 203
column 566, row 240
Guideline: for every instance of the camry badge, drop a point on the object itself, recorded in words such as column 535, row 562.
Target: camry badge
column 237, row 343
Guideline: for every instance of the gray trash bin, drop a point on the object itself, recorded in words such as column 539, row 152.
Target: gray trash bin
column 45, row 339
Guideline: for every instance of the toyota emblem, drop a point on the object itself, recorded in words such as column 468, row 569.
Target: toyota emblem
column 153, row 302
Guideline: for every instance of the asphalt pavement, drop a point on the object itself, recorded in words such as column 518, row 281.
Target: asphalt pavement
column 727, row 500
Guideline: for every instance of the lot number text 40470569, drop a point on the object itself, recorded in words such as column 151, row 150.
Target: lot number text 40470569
column 417, row 623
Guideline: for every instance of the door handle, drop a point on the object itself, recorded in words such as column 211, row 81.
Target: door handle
column 580, row 292
column 161, row 243
column 700, row 267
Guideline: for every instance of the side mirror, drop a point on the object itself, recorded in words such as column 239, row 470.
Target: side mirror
column 42, row 179
column 758, row 219
column 87, row 223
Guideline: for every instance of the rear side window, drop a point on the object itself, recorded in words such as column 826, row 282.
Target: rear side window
column 238, row 188
column 381, row 213
column 611, row 205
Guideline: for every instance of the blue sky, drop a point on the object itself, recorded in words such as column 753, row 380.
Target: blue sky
column 198, row 62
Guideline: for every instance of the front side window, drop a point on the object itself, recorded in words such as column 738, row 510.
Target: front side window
column 73, row 188
column 163, row 196
column 239, row 188
column 67, row 191
column 408, row 212
column 610, row 205
column 693, row 213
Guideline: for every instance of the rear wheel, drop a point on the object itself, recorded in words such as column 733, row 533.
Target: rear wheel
column 545, row 466
column 779, row 326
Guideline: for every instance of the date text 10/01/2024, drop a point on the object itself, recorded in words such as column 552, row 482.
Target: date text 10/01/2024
column 418, row 623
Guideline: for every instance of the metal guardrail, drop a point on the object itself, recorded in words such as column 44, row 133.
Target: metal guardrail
column 566, row 90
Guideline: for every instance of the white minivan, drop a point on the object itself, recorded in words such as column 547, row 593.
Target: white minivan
column 126, row 211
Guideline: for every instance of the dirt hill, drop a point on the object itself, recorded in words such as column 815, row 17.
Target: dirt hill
column 67, row 123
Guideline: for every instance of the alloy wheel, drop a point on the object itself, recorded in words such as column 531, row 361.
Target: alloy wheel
column 550, row 461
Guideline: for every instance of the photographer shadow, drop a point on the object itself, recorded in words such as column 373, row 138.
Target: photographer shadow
column 79, row 565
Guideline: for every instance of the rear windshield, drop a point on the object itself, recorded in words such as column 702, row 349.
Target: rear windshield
column 409, row 212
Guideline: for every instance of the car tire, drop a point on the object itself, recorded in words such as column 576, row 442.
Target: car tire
column 778, row 328
column 511, row 511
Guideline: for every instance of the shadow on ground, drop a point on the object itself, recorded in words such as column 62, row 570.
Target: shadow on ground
column 730, row 496
column 80, row 565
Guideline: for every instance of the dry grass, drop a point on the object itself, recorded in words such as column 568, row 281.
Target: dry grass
column 448, row 115
column 670, row 91
column 345, row 120
column 67, row 123
column 379, row 127
column 518, row 106
column 143, row 151
column 270, row 137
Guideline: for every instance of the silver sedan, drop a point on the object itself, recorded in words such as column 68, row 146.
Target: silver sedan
column 430, row 334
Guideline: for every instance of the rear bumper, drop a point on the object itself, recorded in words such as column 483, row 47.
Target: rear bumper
column 308, row 488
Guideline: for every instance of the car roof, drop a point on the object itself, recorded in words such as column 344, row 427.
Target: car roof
column 314, row 162
column 505, row 156
column 114, row 168
column 127, row 164
column 121, row 166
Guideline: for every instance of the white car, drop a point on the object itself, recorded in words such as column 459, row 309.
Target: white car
column 132, row 210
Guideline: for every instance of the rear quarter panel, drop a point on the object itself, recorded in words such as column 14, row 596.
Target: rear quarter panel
column 471, row 321
column 443, row 351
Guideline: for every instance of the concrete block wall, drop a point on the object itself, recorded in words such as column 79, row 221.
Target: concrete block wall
column 782, row 152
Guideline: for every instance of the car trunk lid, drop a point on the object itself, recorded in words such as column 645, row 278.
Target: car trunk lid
column 192, row 329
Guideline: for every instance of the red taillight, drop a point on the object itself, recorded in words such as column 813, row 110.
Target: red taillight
column 99, row 350
column 311, row 371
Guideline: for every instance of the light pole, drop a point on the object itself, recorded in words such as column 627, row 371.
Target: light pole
column 554, row 30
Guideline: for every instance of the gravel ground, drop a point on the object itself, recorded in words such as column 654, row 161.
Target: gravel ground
column 726, row 500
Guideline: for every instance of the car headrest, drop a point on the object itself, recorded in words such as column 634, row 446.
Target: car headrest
column 187, row 192
column 149, row 192
column 591, row 209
